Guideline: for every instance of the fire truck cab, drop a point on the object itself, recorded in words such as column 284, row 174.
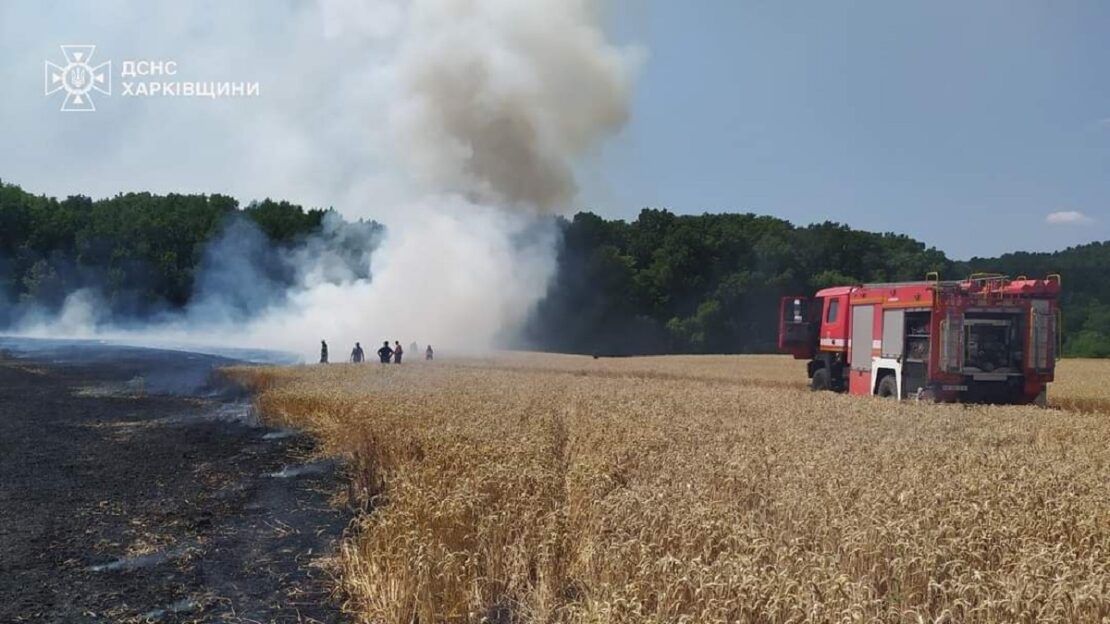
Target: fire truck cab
column 988, row 339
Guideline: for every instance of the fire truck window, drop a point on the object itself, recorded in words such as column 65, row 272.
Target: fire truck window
column 834, row 308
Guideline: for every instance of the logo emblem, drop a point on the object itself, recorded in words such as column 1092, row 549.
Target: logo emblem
column 79, row 78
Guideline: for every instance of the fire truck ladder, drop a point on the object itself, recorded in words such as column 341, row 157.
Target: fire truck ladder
column 951, row 325
column 991, row 287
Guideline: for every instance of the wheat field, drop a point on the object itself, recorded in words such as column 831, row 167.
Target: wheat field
column 545, row 488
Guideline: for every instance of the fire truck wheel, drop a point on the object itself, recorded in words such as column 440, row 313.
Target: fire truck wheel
column 821, row 380
column 888, row 387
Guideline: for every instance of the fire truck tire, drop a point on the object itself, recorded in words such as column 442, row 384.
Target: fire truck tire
column 888, row 387
column 821, row 380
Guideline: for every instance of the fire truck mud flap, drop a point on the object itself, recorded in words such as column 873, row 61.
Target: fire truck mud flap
column 1042, row 398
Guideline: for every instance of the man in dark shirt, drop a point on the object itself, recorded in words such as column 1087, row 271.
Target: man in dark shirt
column 357, row 354
column 323, row 352
column 385, row 353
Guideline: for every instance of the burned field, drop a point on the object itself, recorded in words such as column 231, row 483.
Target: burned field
column 545, row 488
column 134, row 489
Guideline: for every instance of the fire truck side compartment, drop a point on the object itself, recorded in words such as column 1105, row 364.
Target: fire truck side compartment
column 915, row 354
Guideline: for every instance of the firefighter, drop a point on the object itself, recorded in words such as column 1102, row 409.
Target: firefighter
column 357, row 354
column 429, row 354
column 397, row 351
column 385, row 352
column 323, row 352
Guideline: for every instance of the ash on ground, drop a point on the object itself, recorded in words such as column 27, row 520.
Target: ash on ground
column 135, row 488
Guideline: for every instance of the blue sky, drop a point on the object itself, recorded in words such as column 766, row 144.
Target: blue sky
column 964, row 124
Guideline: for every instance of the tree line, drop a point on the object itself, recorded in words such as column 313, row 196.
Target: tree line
column 711, row 283
column 662, row 283
column 140, row 251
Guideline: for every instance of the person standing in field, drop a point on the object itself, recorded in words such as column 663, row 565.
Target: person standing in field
column 397, row 351
column 385, row 353
column 415, row 348
column 323, row 352
column 428, row 353
column 357, row 354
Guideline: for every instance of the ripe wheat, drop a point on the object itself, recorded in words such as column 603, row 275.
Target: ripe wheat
column 536, row 488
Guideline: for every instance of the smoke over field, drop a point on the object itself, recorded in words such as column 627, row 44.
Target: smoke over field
column 455, row 123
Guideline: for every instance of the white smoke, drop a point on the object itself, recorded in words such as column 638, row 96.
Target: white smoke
column 474, row 113
column 449, row 273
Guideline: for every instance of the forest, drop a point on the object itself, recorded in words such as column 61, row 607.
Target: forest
column 663, row 283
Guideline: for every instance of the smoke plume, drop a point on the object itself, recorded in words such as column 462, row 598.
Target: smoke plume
column 498, row 97
column 455, row 123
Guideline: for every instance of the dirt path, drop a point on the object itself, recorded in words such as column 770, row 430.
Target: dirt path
column 121, row 504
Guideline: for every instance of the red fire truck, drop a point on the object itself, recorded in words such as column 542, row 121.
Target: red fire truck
column 986, row 339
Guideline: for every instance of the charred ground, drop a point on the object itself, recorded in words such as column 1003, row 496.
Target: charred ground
column 134, row 490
